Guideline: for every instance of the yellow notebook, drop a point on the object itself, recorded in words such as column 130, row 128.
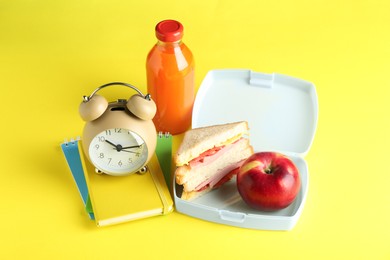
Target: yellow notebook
column 120, row 199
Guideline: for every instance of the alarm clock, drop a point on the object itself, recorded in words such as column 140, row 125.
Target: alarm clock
column 119, row 138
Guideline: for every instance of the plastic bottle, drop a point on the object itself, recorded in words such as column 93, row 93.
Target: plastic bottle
column 170, row 78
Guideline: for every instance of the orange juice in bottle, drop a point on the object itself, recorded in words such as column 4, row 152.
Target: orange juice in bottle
column 170, row 78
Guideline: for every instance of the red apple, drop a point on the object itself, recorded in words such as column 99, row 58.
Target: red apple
column 268, row 181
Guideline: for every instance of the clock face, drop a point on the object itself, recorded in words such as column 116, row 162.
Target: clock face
column 118, row 151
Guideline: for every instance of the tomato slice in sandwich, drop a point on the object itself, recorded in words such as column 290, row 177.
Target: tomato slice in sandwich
column 203, row 155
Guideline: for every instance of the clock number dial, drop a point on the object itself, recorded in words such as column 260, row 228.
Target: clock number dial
column 118, row 151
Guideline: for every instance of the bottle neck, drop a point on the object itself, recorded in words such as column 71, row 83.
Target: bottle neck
column 169, row 44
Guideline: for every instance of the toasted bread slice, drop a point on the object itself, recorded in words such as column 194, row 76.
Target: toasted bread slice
column 198, row 140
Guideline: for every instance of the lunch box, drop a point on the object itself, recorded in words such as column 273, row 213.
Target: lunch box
column 282, row 114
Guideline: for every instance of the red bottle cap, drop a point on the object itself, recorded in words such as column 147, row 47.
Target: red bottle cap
column 169, row 31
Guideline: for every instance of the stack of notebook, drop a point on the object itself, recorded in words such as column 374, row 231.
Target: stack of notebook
column 111, row 200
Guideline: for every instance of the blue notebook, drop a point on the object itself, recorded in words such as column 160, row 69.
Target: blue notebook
column 72, row 156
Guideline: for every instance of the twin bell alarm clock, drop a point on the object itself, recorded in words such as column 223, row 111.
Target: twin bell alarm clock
column 119, row 138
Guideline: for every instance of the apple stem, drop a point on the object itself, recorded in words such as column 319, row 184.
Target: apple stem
column 268, row 170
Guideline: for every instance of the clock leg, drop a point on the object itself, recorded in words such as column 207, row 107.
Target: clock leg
column 98, row 171
column 143, row 170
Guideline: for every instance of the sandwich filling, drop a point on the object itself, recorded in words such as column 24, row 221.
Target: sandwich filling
column 212, row 154
column 221, row 177
column 194, row 177
column 209, row 157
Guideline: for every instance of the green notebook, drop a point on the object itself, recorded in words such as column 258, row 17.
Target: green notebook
column 164, row 155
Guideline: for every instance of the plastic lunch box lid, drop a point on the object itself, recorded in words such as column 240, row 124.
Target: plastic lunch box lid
column 282, row 115
column 281, row 111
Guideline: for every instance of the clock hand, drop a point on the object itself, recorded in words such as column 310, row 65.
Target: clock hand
column 129, row 151
column 120, row 148
column 117, row 147
column 111, row 143
column 134, row 146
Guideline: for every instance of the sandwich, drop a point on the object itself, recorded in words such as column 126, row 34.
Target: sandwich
column 210, row 156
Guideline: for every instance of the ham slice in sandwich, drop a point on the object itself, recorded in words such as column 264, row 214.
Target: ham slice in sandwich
column 210, row 156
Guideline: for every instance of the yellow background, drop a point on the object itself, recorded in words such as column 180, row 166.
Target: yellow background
column 53, row 52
